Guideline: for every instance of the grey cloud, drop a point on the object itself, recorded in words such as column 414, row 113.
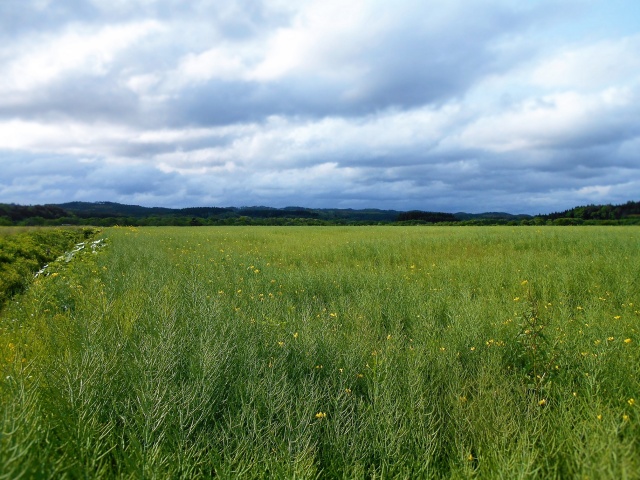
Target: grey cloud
column 417, row 66
column 601, row 128
column 405, row 68
column 19, row 18
column 315, row 135
column 125, row 180
column 19, row 164
column 46, row 179
column 87, row 99
column 408, row 65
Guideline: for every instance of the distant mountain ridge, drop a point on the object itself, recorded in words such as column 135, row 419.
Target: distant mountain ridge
column 85, row 209
column 112, row 213
column 89, row 209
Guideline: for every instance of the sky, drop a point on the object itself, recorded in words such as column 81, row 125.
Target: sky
column 520, row 106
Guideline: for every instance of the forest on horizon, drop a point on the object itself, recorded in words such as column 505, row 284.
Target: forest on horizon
column 111, row 213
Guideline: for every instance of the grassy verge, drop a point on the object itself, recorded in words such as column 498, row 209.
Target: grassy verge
column 24, row 250
column 332, row 352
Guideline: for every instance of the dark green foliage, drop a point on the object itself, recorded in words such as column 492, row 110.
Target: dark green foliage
column 18, row 213
column 106, row 214
column 22, row 253
column 112, row 209
column 532, row 354
column 428, row 217
column 599, row 212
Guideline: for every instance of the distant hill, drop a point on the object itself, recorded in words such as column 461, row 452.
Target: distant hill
column 491, row 216
column 111, row 213
column 111, row 209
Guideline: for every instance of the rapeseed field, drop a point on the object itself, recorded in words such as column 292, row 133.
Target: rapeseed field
column 328, row 352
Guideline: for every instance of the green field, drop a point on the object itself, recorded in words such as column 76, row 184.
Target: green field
column 332, row 352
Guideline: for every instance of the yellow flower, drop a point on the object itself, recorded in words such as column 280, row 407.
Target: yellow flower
column 295, row 335
column 321, row 415
column 517, row 299
column 599, row 417
column 617, row 317
column 348, row 390
column 625, row 418
column 631, row 402
column 524, row 282
column 470, row 457
column 542, row 402
column 627, row 340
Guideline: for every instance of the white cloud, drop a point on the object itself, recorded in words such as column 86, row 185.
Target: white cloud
column 141, row 84
column 322, row 37
column 595, row 190
column 596, row 65
column 283, row 143
column 555, row 120
column 71, row 138
column 79, row 49
column 218, row 62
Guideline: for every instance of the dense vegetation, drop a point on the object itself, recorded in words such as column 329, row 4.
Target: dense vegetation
column 332, row 352
column 110, row 214
column 11, row 214
column 25, row 251
column 427, row 217
column 628, row 210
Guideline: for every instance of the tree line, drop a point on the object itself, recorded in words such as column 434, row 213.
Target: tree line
column 110, row 214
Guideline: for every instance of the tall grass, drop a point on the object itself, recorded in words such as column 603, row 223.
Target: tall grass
column 370, row 352
column 24, row 250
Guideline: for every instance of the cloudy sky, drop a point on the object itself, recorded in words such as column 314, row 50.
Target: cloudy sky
column 524, row 106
